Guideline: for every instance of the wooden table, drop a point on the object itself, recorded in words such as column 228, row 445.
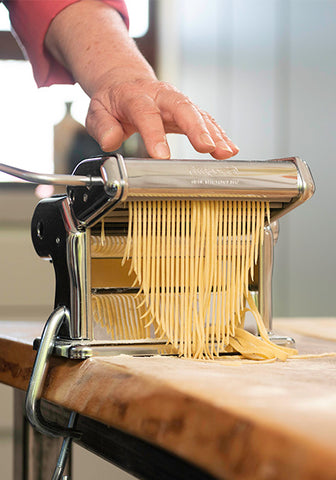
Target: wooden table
column 194, row 419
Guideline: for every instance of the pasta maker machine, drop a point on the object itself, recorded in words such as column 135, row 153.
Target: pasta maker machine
column 99, row 190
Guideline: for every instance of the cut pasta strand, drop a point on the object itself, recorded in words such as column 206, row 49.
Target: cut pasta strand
column 193, row 261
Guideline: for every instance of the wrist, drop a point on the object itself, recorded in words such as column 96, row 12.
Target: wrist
column 118, row 76
column 97, row 51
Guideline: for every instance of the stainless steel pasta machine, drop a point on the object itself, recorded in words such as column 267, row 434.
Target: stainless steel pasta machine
column 99, row 190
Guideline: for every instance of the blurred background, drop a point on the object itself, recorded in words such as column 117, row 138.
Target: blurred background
column 265, row 69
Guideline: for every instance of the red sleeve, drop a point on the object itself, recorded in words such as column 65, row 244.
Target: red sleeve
column 30, row 20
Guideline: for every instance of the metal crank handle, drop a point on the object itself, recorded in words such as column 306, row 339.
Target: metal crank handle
column 51, row 179
column 39, row 373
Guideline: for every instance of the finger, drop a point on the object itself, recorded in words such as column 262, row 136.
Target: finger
column 146, row 118
column 225, row 148
column 228, row 140
column 103, row 127
column 184, row 117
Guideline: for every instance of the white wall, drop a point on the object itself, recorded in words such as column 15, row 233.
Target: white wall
column 266, row 70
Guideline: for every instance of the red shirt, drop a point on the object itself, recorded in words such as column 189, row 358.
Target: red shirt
column 30, row 20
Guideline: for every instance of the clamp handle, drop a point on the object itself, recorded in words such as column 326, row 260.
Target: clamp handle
column 38, row 376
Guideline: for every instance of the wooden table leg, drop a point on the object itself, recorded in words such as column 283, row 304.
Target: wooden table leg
column 35, row 455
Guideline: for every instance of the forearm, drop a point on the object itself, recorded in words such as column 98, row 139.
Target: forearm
column 87, row 33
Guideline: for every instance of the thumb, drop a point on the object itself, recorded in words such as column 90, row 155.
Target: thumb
column 103, row 127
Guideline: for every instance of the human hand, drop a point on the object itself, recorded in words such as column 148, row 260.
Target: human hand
column 153, row 109
column 126, row 96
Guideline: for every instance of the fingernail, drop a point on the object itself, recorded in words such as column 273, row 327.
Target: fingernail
column 105, row 136
column 234, row 146
column 107, row 132
column 162, row 150
column 205, row 138
column 224, row 146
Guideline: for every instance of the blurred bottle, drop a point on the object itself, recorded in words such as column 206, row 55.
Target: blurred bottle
column 72, row 143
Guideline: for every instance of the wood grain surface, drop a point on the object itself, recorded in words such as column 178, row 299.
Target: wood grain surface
column 236, row 421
